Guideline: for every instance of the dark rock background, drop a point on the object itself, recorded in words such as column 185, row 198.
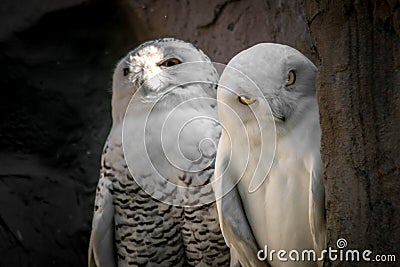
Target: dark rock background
column 358, row 44
column 55, row 80
column 57, row 58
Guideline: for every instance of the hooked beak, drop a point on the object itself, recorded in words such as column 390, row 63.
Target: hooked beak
column 279, row 117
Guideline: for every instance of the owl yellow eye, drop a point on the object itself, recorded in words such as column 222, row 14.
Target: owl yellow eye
column 169, row 62
column 245, row 100
column 126, row 71
column 291, row 78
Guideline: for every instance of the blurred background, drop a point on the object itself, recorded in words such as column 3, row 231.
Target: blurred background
column 56, row 64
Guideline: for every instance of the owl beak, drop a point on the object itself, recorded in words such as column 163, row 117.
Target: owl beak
column 276, row 111
column 142, row 77
column 279, row 117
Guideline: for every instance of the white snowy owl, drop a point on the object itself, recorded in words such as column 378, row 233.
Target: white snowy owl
column 154, row 203
column 268, row 157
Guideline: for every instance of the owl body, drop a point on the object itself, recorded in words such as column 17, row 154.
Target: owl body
column 153, row 202
column 268, row 158
column 284, row 223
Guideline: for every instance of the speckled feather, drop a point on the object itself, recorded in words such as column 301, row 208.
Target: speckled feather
column 130, row 227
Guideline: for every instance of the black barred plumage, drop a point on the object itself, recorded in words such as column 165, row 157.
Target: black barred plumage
column 132, row 227
column 137, row 243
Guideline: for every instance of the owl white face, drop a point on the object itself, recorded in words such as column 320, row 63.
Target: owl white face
column 277, row 73
column 157, row 66
column 146, row 64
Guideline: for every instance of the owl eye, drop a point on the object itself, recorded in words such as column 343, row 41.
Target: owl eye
column 246, row 100
column 291, row 78
column 169, row 62
column 126, row 71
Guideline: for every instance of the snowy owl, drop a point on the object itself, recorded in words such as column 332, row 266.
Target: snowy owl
column 268, row 157
column 154, row 204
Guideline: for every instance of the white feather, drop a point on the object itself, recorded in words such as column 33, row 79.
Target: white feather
column 287, row 210
column 154, row 204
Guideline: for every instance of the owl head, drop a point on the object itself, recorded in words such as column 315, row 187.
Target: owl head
column 270, row 74
column 159, row 67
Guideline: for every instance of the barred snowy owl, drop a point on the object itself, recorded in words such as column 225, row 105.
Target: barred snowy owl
column 269, row 156
column 154, row 203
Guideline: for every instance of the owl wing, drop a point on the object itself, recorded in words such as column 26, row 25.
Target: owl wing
column 237, row 231
column 317, row 208
column 233, row 220
column 101, row 245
